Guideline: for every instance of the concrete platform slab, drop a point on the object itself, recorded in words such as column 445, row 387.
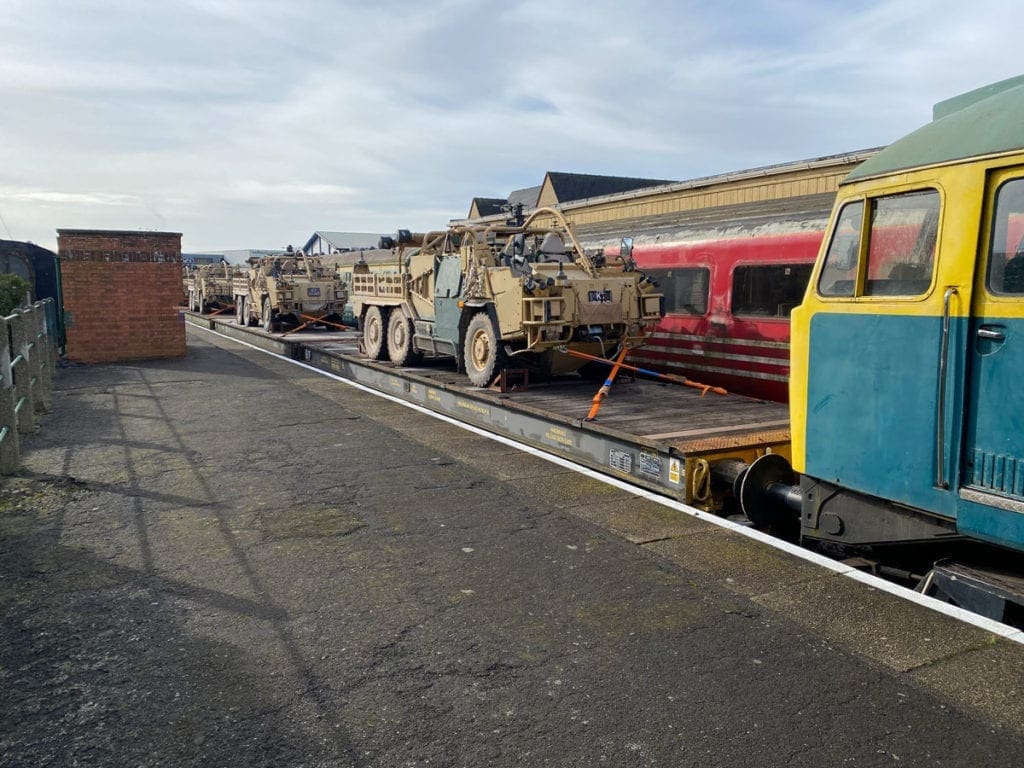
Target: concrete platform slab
column 448, row 612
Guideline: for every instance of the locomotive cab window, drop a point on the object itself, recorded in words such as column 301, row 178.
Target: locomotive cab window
column 900, row 254
column 839, row 272
column 768, row 290
column 685, row 289
column 1006, row 254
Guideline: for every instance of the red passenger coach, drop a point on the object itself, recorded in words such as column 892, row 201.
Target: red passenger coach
column 730, row 276
column 727, row 306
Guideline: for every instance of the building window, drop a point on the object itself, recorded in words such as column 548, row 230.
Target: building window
column 15, row 264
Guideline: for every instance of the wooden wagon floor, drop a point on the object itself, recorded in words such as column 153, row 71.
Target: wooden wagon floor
column 667, row 413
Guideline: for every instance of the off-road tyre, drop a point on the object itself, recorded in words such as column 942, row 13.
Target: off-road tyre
column 375, row 333
column 240, row 318
column 269, row 322
column 483, row 353
column 400, row 330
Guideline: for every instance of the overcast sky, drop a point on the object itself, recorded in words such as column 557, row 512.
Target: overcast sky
column 252, row 123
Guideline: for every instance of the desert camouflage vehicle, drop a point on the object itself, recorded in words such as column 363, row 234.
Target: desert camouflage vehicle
column 210, row 287
column 290, row 288
column 502, row 296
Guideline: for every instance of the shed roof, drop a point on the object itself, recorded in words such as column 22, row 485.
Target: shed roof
column 986, row 121
column 487, row 206
column 343, row 240
column 528, row 197
column 807, row 213
column 580, row 186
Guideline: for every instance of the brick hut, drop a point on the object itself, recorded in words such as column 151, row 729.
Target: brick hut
column 122, row 294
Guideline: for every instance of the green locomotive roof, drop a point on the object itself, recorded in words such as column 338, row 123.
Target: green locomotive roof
column 986, row 121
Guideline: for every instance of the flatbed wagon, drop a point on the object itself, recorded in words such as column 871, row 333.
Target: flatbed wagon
column 659, row 436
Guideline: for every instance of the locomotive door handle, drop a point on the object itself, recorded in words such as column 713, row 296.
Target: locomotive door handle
column 992, row 333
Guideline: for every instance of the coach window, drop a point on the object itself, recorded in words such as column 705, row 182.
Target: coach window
column 1006, row 256
column 685, row 289
column 768, row 290
column 901, row 246
column 839, row 272
column 15, row 264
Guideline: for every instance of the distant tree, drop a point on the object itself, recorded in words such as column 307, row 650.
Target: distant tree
column 12, row 293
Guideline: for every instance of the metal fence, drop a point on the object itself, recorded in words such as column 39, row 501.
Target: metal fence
column 28, row 358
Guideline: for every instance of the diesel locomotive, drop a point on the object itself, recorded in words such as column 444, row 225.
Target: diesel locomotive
column 908, row 348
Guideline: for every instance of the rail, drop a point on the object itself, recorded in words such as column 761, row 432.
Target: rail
column 28, row 358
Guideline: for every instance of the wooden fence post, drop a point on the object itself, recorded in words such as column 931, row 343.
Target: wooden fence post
column 10, row 443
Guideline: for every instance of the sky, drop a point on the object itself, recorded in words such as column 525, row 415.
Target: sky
column 254, row 123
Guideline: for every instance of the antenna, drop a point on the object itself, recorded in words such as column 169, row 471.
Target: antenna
column 6, row 228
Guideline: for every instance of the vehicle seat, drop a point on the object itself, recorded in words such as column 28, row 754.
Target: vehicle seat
column 551, row 248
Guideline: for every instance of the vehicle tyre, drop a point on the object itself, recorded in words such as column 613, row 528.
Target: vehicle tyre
column 270, row 323
column 400, row 332
column 374, row 335
column 483, row 352
column 241, row 312
column 191, row 300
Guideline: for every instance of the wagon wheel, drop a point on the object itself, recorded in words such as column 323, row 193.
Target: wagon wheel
column 400, row 332
column 483, row 353
column 374, row 340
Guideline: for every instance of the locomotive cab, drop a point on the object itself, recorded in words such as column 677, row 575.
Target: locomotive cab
column 907, row 421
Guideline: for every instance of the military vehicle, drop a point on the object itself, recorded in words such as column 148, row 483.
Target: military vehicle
column 499, row 297
column 210, row 287
column 290, row 288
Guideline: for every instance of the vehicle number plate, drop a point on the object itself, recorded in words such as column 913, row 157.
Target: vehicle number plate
column 600, row 297
column 312, row 291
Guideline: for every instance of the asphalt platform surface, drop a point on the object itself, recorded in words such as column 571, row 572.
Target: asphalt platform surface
column 228, row 560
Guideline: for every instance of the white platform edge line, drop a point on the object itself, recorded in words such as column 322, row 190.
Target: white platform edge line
column 989, row 625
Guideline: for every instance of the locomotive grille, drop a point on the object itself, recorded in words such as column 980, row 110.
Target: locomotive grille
column 998, row 472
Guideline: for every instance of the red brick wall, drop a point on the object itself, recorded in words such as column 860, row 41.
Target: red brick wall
column 122, row 294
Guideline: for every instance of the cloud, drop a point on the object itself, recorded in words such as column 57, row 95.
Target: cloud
column 249, row 190
column 254, row 122
column 45, row 197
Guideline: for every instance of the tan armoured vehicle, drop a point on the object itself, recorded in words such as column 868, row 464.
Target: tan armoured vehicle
column 505, row 296
column 291, row 288
column 210, row 287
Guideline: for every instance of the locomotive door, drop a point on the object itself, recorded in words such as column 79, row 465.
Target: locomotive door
column 992, row 486
column 875, row 330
